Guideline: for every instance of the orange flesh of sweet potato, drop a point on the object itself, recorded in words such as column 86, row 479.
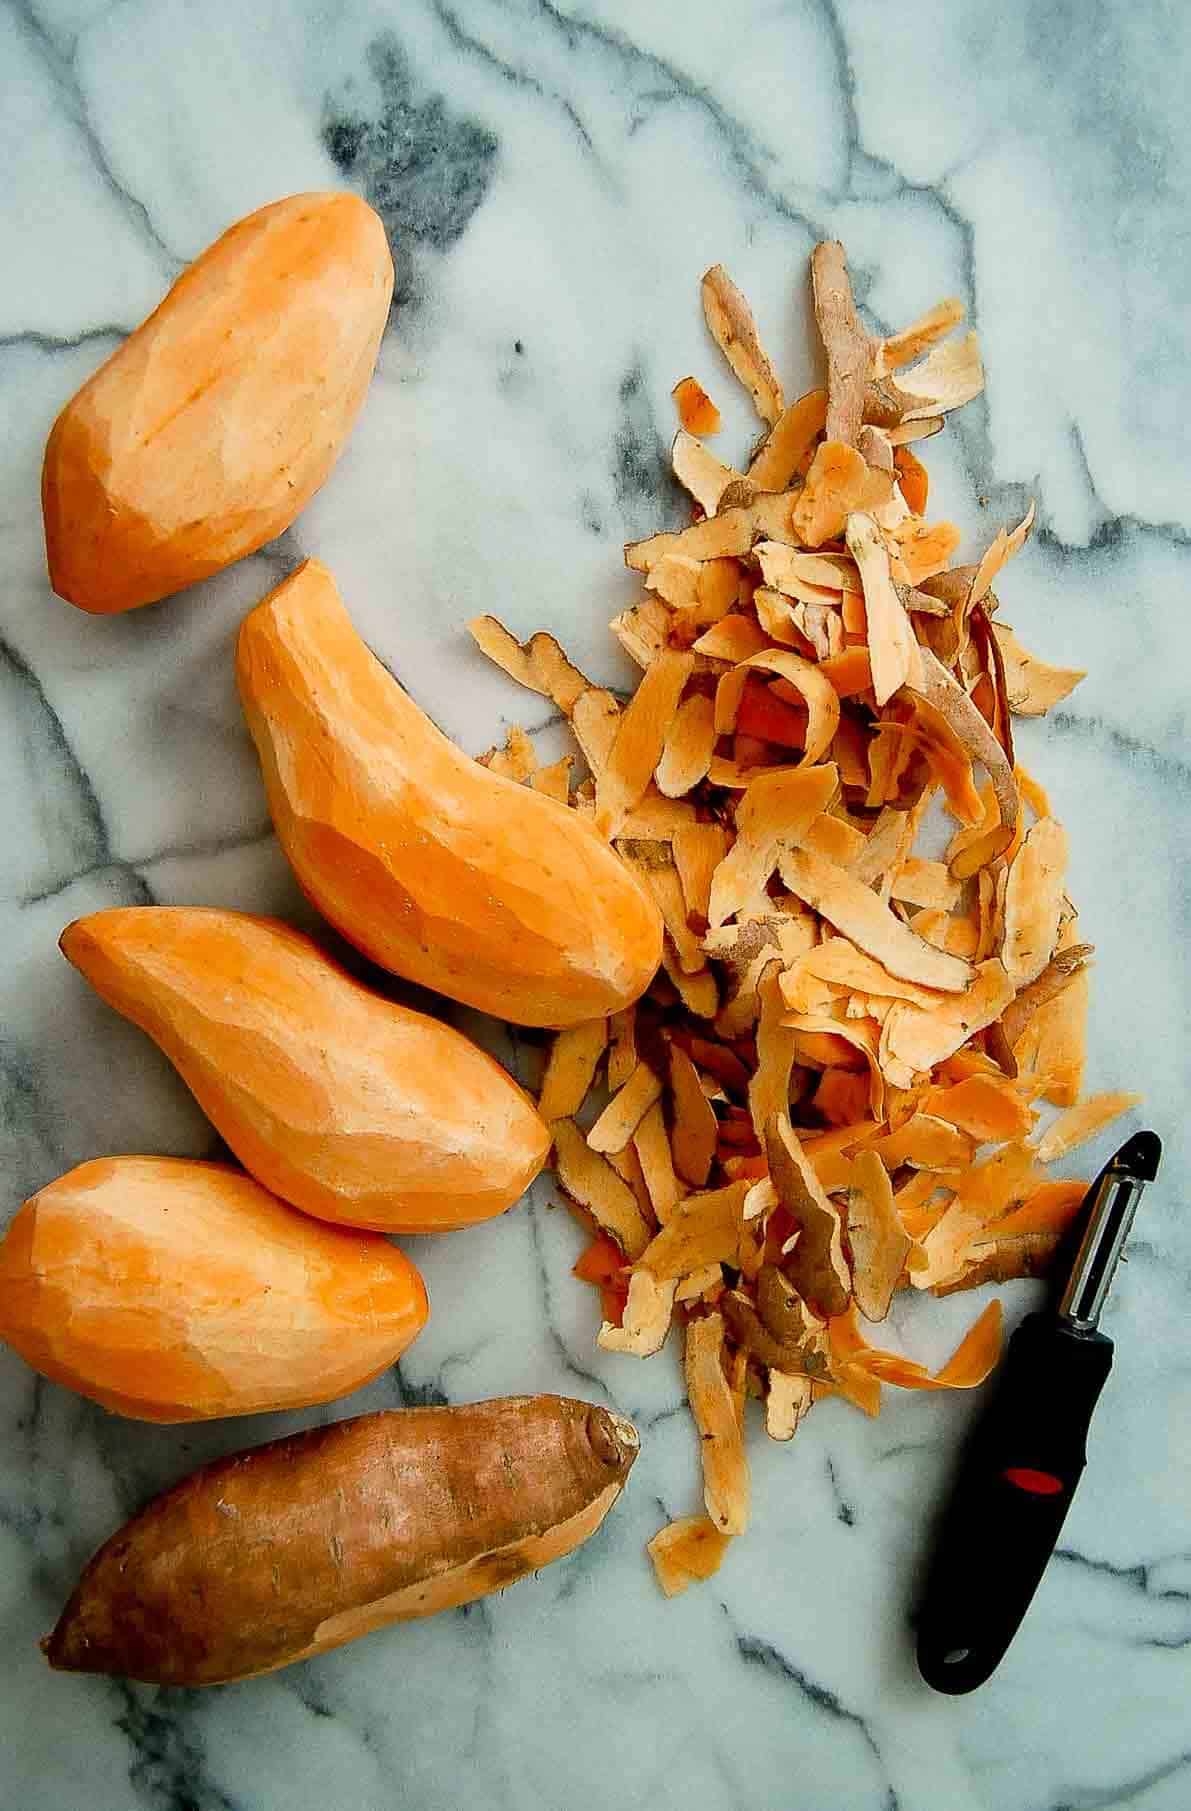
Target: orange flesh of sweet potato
column 345, row 1104
column 177, row 1291
column 279, row 1553
column 762, row 714
column 696, row 411
column 434, row 867
column 686, row 1550
column 213, row 425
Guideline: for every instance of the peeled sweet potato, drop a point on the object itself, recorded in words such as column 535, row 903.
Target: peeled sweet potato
column 432, row 865
column 213, row 425
column 280, row 1553
column 177, row 1291
column 343, row 1103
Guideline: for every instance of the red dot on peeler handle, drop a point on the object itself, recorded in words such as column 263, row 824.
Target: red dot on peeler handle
column 1038, row 1483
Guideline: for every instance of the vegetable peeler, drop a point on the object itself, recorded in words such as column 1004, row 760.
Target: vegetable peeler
column 1019, row 1474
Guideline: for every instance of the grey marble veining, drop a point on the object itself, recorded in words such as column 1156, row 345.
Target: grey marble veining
column 555, row 178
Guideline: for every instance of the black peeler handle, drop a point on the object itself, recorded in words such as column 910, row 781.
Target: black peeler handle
column 1015, row 1487
column 1021, row 1469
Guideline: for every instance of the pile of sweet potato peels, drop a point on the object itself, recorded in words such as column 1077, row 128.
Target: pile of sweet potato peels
column 830, row 1090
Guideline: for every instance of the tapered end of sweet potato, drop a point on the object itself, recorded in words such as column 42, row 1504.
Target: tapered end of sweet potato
column 76, row 1642
column 613, row 1439
column 53, row 1646
column 85, row 1638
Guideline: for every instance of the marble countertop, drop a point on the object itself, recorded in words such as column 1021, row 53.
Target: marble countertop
column 555, row 179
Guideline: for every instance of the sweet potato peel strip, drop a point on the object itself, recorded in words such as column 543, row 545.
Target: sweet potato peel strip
column 843, row 1081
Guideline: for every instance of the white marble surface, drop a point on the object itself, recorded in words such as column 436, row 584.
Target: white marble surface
column 556, row 178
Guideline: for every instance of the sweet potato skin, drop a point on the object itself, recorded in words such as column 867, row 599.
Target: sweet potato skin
column 213, row 425
column 280, row 1553
column 433, row 866
column 345, row 1104
column 170, row 1290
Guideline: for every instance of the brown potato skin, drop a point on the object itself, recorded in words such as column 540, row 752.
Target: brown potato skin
column 436, row 868
column 347, row 1105
column 213, row 425
column 170, row 1290
column 279, row 1553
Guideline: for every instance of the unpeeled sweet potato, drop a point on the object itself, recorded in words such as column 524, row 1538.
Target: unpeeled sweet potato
column 432, row 865
column 280, row 1553
column 213, row 425
column 346, row 1104
column 170, row 1290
